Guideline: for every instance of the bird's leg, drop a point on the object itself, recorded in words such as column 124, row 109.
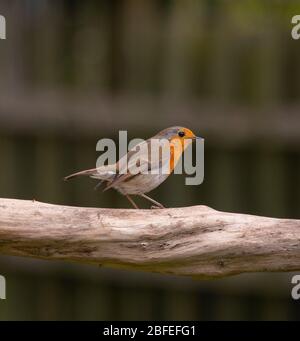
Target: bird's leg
column 132, row 202
column 159, row 205
column 98, row 185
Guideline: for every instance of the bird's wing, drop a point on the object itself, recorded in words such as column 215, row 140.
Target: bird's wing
column 139, row 160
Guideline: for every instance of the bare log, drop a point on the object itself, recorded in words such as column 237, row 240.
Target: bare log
column 192, row 241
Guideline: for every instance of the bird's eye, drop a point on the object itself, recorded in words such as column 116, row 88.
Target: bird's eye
column 181, row 134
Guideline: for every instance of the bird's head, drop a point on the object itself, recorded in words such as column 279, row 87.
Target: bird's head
column 181, row 135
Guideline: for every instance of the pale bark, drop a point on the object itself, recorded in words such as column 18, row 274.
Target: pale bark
column 194, row 241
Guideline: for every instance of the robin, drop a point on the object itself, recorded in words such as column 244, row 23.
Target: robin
column 150, row 172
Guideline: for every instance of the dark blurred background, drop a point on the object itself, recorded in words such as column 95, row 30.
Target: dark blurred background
column 72, row 72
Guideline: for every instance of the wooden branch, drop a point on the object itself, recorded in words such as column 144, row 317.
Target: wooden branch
column 193, row 241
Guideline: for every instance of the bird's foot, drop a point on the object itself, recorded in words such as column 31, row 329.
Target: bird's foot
column 156, row 207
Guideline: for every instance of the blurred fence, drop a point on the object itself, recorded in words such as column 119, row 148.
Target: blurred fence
column 74, row 71
column 221, row 51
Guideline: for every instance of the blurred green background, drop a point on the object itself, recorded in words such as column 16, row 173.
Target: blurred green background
column 72, row 72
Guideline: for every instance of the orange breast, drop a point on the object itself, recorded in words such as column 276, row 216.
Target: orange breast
column 176, row 149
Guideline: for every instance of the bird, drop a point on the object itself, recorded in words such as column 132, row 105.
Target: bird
column 148, row 173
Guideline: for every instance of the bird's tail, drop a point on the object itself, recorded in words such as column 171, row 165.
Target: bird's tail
column 88, row 172
column 101, row 173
